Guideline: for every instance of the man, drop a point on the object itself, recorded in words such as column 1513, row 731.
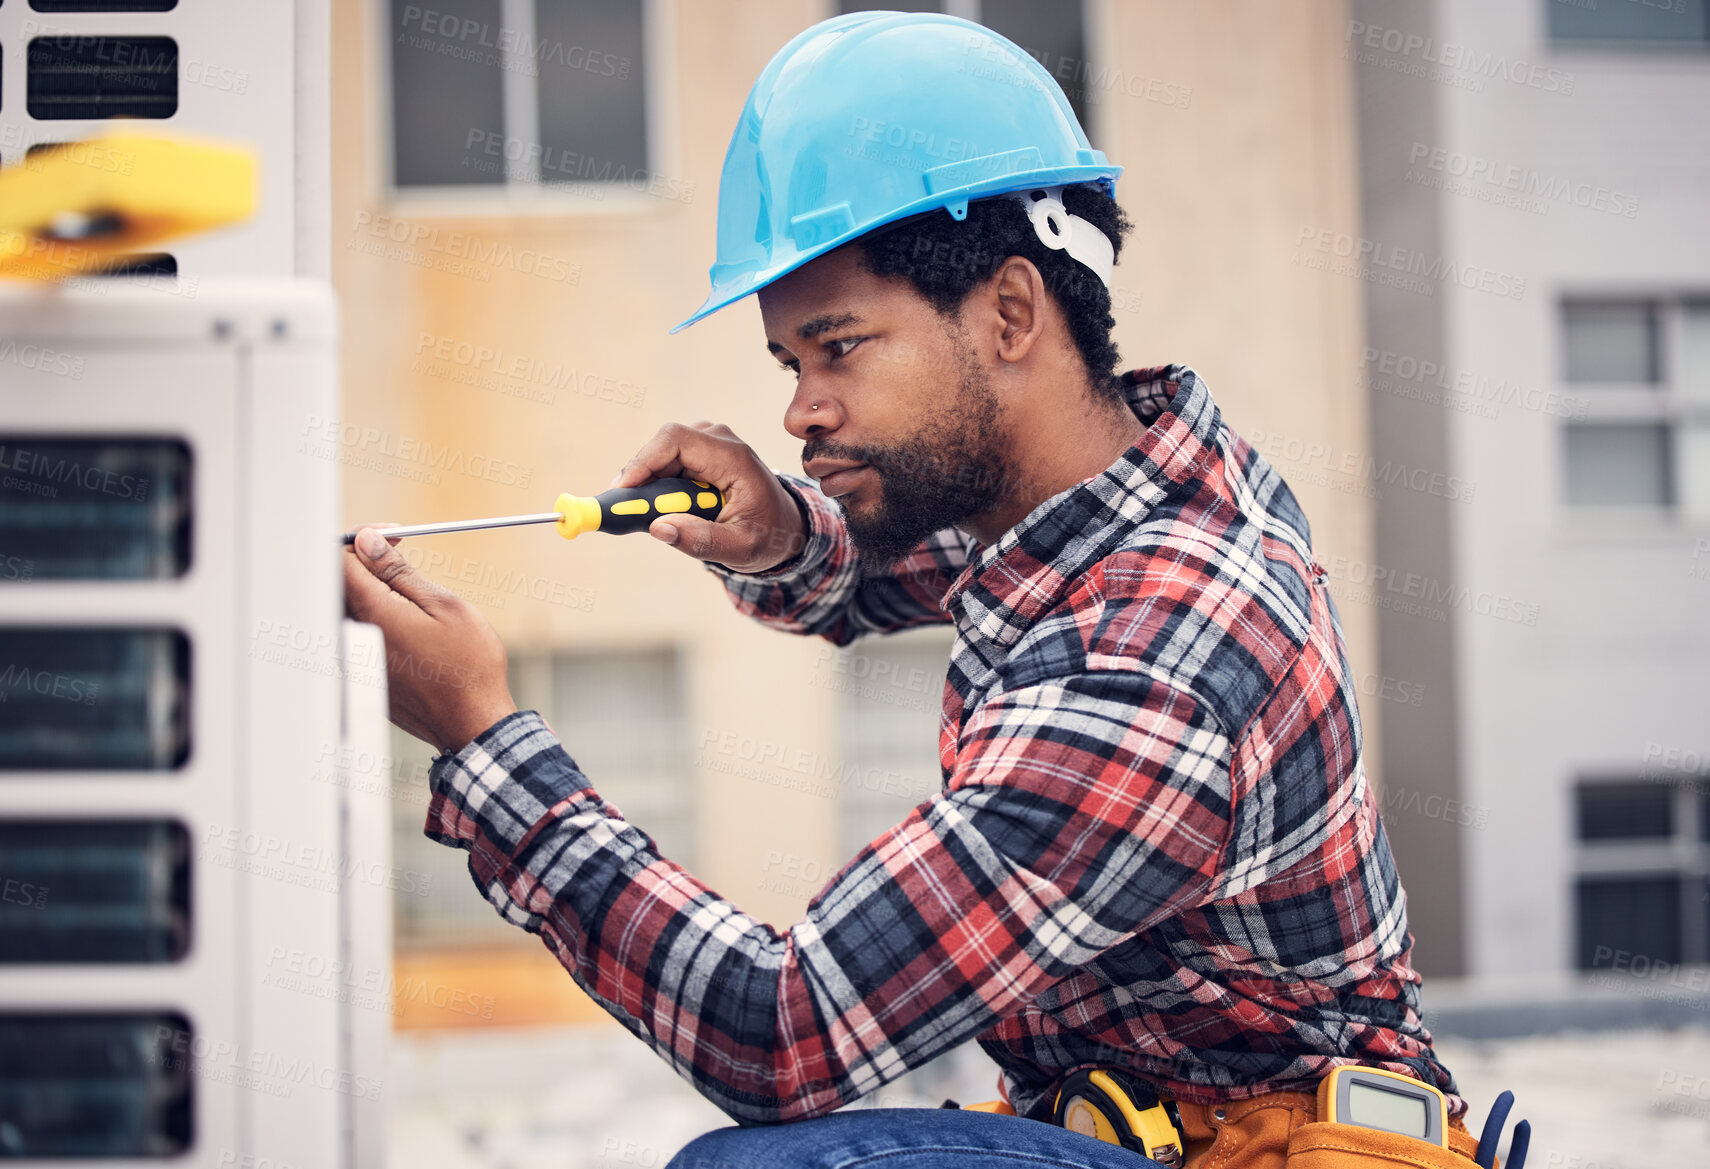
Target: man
column 1155, row 850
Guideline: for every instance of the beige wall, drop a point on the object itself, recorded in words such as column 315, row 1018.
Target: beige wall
column 1218, row 190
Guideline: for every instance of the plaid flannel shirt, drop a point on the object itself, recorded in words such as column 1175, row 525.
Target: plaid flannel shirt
column 1154, row 848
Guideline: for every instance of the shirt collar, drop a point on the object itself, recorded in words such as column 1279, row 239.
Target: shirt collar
column 1008, row 584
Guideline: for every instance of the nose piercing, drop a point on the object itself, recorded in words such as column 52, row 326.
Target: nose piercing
column 813, row 407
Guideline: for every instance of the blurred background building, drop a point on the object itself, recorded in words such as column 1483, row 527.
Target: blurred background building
column 1538, row 358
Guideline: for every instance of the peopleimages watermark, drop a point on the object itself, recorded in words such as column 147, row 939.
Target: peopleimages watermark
column 316, row 651
column 1432, row 806
column 315, row 866
column 800, row 769
column 554, row 164
column 1521, row 187
column 1424, row 596
column 254, row 1067
column 492, row 586
column 792, row 875
column 42, row 359
column 1361, row 468
column 908, row 145
column 1646, row 976
column 136, row 59
column 488, row 367
column 367, row 988
column 1691, row 1088
column 878, row 677
column 1388, row 689
column 36, row 472
column 455, row 252
column 1560, row 1160
column 25, row 893
column 369, row 773
column 1678, row 767
column 627, row 1152
column 1466, row 390
column 464, row 38
column 997, row 62
column 370, row 448
column 232, row 1159
column 1462, row 66
column 1405, row 268
column 16, row 679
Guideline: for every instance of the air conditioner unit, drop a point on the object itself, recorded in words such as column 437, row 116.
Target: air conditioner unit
column 195, row 878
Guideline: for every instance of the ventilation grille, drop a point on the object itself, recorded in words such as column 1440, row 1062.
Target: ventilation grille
column 95, row 1085
column 94, row 891
column 88, row 507
column 94, row 699
column 103, row 5
column 102, row 77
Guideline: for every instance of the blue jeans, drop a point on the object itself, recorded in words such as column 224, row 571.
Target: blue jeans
column 904, row 1138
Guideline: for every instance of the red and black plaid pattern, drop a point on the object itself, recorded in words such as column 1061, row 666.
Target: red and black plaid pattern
column 1155, row 846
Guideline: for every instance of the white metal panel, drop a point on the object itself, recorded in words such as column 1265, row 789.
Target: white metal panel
column 234, row 373
column 288, row 556
column 367, row 941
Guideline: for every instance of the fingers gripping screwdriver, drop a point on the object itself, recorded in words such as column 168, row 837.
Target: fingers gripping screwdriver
column 620, row 511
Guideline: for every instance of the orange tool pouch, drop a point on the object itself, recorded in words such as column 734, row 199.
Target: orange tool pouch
column 1280, row 1130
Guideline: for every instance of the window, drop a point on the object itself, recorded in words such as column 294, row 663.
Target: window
column 509, row 95
column 1629, row 22
column 622, row 716
column 1643, row 881
column 1642, row 368
column 1052, row 34
column 893, row 693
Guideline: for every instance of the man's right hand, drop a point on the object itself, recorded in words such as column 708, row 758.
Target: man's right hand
column 760, row 525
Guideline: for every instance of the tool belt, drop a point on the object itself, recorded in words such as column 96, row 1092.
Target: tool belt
column 1278, row 1130
column 1281, row 1130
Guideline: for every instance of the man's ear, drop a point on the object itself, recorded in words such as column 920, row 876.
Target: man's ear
column 1018, row 291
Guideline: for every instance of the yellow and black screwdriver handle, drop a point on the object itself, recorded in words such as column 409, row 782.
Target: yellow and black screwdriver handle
column 623, row 510
column 1119, row 1109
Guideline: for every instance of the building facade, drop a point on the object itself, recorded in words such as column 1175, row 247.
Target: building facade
column 1538, row 360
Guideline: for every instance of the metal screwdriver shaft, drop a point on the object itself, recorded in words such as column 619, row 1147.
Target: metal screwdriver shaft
column 503, row 521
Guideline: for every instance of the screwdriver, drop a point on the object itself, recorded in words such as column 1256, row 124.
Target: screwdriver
column 620, row 511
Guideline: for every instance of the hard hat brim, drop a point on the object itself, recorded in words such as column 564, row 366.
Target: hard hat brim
column 730, row 293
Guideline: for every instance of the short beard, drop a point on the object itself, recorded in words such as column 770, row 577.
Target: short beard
column 954, row 468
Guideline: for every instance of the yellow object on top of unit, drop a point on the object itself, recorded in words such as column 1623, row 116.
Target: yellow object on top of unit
column 77, row 207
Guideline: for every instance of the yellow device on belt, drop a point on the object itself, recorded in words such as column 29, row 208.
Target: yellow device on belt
column 1120, row 1109
column 1387, row 1101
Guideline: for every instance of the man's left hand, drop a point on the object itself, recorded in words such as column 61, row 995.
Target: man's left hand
column 445, row 664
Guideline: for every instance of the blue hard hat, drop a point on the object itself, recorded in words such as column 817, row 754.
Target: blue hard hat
column 871, row 117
